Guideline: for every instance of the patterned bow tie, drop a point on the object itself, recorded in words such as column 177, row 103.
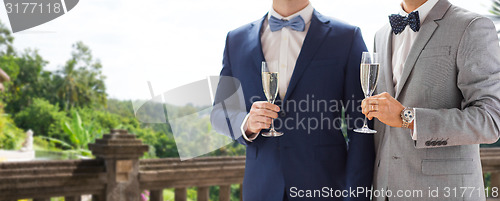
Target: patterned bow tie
column 398, row 22
column 296, row 23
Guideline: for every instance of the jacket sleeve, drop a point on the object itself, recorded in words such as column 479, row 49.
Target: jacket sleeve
column 229, row 109
column 478, row 64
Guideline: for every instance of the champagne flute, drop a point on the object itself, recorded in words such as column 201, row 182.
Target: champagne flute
column 270, row 85
column 369, row 76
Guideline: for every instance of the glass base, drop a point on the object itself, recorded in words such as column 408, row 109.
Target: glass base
column 272, row 133
column 365, row 130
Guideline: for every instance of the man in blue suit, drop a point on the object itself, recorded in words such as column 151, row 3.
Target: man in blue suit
column 318, row 63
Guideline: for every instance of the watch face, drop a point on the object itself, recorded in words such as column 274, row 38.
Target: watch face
column 408, row 114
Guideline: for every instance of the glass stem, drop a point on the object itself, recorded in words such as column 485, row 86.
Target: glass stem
column 272, row 125
column 365, row 124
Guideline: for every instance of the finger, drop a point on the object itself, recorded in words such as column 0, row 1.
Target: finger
column 373, row 108
column 382, row 95
column 365, row 110
column 380, row 101
column 258, row 104
column 262, row 119
column 387, row 95
column 260, row 122
column 371, row 115
column 267, row 105
column 264, row 125
column 266, row 113
column 373, row 101
column 367, row 99
column 255, row 111
column 364, row 103
column 257, row 126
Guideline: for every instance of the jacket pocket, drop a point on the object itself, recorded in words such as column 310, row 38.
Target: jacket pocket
column 435, row 52
column 458, row 166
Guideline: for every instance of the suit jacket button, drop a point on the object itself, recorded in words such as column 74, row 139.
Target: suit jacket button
column 433, row 143
column 439, row 143
column 282, row 114
column 428, row 143
column 445, row 142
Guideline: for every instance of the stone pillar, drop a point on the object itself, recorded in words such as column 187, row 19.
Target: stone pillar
column 73, row 198
column 225, row 193
column 241, row 191
column 203, row 193
column 156, row 195
column 97, row 197
column 180, row 194
column 41, row 199
column 121, row 152
column 495, row 184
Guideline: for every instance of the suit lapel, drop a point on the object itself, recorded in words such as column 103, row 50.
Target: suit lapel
column 386, row 56
column 318, row 30
column 255, row 45
column 426, row 31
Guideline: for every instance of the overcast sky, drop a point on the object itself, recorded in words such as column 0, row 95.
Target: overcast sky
column 173, row 42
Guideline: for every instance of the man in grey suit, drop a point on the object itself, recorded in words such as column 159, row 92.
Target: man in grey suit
column 438, row 99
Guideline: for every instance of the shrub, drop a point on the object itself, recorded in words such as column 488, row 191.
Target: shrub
column 11, row 137
column 43, row 118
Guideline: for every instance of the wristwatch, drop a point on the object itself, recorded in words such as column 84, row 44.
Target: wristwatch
column 407, row 115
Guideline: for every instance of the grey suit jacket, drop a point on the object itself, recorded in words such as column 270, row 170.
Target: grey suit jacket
column 452, row 78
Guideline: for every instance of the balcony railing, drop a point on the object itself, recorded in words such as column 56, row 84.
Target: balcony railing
column 118, row 175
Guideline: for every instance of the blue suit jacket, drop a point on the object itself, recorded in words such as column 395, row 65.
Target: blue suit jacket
column 312, row 153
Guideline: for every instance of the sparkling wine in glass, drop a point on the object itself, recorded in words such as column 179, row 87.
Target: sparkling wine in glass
column 369, row 77
column 270, row 85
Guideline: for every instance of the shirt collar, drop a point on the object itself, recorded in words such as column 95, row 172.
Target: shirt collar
column 423, row 10
column 305, row 13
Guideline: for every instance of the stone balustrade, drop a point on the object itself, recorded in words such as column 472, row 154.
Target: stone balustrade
column 117, row 174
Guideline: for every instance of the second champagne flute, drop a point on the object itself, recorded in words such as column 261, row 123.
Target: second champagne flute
column 270, row 86
column 369, row 77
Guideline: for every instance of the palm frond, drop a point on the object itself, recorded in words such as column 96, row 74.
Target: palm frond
column 495, row 8
column 56, row 141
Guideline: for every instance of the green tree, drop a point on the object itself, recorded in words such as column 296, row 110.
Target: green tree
column 82, row 80
column 25, row 83
column 6, row 40
column 120, row 107
column 24, row 71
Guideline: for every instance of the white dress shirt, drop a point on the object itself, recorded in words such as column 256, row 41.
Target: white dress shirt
column 401, row 46
column 281, row 50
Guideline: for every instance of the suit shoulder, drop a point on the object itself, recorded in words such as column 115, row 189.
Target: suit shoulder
column 462, row 16
column 244, row 28
column 334, row 22
column 340, row 24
